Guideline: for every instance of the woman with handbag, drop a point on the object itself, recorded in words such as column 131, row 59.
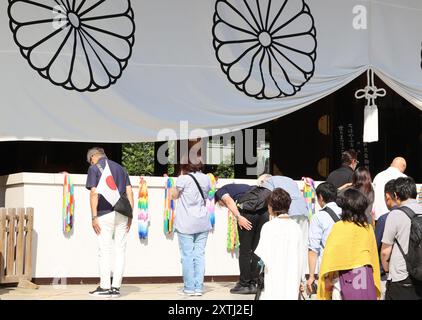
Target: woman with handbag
column 192, row 224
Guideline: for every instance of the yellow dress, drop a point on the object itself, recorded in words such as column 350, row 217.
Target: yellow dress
column 348, row 246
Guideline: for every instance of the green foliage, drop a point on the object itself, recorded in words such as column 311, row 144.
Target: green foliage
column 224, row 171
column 170, row 169
column 138, row 158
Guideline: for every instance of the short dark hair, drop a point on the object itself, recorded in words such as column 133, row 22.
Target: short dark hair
column 327, row 191
column 279, row 200
column 405, row 188
column 353, row 204
column 390, row 187
column 348, row 156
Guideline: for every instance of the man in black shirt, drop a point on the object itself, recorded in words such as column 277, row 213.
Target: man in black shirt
column 249, row 228
column 343, row 175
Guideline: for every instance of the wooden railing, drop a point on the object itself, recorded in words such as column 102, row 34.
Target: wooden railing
column 16, row 227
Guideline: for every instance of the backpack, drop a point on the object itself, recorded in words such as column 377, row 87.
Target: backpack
column 254, row 201
column 413, row 257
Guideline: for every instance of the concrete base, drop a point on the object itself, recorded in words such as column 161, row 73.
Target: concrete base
column 26, row 284
column 212, row 291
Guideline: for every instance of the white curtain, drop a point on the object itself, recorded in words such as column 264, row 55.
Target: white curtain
column 124, row 71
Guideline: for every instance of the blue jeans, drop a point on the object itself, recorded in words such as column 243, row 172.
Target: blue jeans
column 192, row 251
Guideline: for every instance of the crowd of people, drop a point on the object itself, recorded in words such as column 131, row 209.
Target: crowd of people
column 364, row 243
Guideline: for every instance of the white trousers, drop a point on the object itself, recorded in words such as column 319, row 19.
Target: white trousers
column 112, row 223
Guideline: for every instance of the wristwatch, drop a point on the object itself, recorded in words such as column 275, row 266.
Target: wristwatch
column 94, row 217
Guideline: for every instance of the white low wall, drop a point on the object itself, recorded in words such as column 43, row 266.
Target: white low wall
column 56, row 255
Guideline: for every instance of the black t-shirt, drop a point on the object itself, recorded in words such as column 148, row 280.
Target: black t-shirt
column 340, row 176
column 234, row 190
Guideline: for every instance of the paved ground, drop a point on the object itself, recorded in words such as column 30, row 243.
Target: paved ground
column 212, row 291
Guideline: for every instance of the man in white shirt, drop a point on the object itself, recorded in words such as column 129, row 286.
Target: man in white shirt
column 396, row 169
column 320, row 227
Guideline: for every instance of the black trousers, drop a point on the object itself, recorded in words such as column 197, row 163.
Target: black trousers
column 403, row 290
column 248, row 260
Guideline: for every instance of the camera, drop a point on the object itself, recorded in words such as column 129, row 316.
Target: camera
column 314, row 288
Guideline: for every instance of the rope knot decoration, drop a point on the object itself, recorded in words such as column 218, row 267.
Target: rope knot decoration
column 370, row 93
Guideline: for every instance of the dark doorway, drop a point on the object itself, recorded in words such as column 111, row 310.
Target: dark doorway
column 50, row 157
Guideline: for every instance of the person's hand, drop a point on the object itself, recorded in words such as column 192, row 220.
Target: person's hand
column 129, row 223
column 344, row 186
column 244, row 223
column 309, row 283
column 96, row 226
column 329, row 283
column 301, row 288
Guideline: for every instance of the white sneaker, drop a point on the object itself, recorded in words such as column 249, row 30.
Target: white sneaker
column 115, row 292
column 186, row 293
column 198, row 293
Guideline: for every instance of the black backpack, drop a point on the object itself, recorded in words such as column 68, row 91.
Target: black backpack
column 413, row 257
column 254, row 201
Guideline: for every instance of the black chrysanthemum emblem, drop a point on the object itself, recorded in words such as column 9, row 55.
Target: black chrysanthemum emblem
column 81, row 45
column 267, row 48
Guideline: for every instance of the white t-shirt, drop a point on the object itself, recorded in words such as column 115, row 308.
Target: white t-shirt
column 380, row 180
column 281, row 248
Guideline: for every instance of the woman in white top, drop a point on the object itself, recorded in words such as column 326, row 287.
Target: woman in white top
column 281, row 249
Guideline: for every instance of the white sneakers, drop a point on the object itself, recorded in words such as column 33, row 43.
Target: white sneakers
column 189, row 293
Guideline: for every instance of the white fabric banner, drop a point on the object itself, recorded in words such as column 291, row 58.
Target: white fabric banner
column 122, row 71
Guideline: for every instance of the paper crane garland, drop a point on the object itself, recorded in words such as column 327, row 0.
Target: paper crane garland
column 143, row 216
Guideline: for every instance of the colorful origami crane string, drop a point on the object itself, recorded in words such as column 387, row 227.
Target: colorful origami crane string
column 232, row 233
column 143, row 216
column 169, row 207
column 309, row 195
column 210, row 199
column 68, row 210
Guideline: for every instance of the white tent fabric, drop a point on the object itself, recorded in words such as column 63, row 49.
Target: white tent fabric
column 125, row 71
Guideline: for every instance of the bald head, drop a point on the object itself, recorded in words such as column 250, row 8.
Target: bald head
column 399, row 163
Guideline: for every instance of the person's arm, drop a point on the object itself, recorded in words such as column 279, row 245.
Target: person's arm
column 385, row 256
column 231, row 205
column 312, row 260
column 93, row 200
column 314, row 246
column 129, row 193
column 344, row 186
column 390, row 232
column 174, row 193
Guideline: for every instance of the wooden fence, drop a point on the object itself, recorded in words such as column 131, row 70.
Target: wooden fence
column 16, row 227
